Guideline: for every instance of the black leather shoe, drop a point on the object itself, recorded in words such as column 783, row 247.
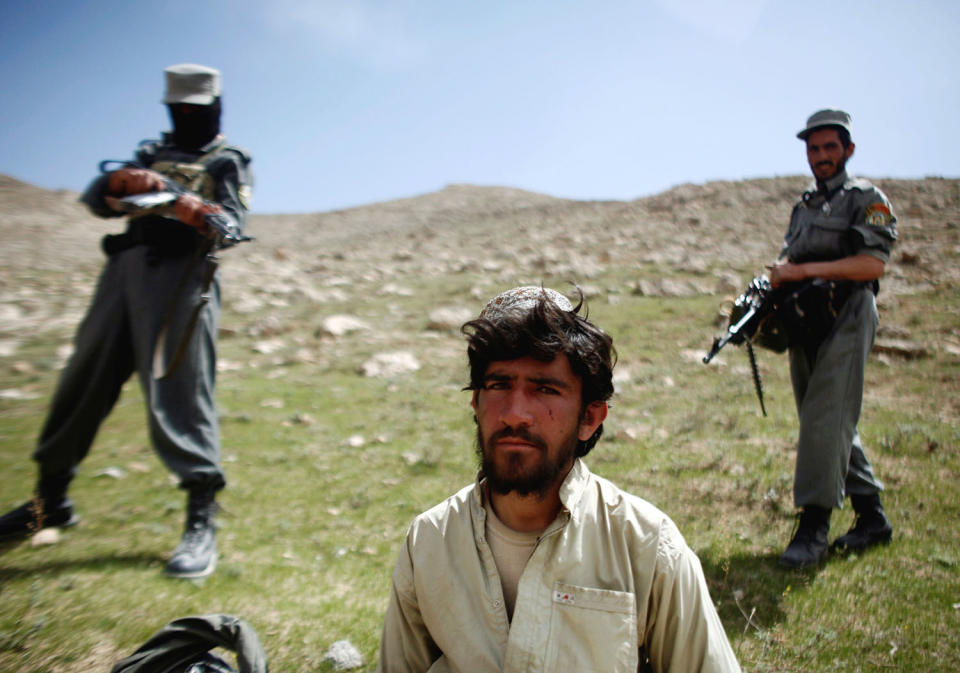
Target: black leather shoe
column 809, row 544
column 871, row 527
column 35, row 515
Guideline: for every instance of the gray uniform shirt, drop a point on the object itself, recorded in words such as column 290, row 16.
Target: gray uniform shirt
column 848, row 217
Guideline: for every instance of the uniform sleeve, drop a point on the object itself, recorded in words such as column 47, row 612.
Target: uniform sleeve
column 233, row 186
column 92, row 196
column 406, row 645
column 685, row 633
column 875, row 225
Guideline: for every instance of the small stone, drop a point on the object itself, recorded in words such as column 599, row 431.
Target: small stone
column 344, row 656
column 47, row 536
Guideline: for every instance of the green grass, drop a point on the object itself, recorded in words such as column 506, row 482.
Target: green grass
column 312, row 523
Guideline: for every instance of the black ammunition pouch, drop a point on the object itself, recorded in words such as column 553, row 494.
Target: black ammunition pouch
column 772, row 335
column 771, row 332
column 811, row 316
column 164, row 236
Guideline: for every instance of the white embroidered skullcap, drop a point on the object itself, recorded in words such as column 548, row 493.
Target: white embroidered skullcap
column 523, row 298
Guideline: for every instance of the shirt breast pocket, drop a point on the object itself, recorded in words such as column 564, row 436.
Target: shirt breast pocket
column 823, row 239
column 592, row 630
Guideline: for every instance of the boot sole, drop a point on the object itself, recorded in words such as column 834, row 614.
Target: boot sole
column 196, row 574
column 882, row 539
column 800, row 566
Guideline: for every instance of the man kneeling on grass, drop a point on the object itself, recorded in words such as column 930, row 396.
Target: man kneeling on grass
column 541, row 565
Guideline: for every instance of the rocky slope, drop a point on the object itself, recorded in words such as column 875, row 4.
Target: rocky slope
column 692, row 239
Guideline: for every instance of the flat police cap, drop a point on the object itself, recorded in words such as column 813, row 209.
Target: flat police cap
column 824, row 118
column 193, row 84
column 523, row 299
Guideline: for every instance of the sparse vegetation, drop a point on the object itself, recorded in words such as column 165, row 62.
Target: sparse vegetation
column 327, row 467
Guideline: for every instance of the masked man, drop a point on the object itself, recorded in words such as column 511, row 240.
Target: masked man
column 154, row 312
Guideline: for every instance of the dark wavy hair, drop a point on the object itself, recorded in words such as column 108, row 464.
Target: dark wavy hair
column 541, row 332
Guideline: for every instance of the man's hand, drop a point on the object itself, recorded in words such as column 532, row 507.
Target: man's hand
column 126, row 181
column 190, row 210
column 785, row 272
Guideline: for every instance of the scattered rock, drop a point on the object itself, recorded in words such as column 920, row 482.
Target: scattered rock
column 17, row 394
column 665, row 287
column 47, row 536
column 8, row 347
column 269, row 346
column 449, row 318
column 339, row 325
column 303, row 419
column 728, row 284
column 902, row 348
column 383, row 365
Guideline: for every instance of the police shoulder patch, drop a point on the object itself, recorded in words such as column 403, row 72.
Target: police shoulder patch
column 878, row 215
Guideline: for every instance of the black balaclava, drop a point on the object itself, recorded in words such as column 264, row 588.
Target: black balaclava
column 194, row 125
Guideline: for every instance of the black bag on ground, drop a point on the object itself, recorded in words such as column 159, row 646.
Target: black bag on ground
column 183, row 646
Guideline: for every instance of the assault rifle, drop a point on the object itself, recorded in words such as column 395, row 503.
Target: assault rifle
column 224, row 233
column 223, row 227
column 755, row 318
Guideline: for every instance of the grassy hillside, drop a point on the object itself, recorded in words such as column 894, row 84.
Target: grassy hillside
column 327, row 466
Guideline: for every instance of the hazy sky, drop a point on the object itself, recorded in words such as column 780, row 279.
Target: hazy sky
column 348, row 102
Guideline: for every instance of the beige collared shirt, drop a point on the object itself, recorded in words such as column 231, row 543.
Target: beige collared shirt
column 611, row 574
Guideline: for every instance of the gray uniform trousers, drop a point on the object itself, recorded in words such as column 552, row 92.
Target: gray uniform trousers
column 117, row 337
column 828, row 389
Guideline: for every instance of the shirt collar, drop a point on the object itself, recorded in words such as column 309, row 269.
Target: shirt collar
column 571, row 490
column 832, row 184
column 817, row 191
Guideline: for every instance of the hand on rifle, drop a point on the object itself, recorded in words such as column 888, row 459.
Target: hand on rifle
column 785, row 272
column 191, row 210
column 129, row 180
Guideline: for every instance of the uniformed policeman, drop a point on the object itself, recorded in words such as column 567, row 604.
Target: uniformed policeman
column 841, row 232
column 157, row 300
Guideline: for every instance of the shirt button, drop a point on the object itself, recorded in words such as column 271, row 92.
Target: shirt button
column 496, row 603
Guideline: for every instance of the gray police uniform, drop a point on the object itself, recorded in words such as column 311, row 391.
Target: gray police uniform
column 154, row 277
column 848, row 217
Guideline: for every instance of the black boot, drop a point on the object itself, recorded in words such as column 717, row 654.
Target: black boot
column 809, row 543
column 196, row 555
column 871, row 526
column 49, row 508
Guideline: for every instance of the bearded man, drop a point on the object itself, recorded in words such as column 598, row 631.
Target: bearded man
column 839, row 240
column 541, row 565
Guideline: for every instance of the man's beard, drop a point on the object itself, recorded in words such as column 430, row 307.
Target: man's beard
column 537, row 480
column 838, row 167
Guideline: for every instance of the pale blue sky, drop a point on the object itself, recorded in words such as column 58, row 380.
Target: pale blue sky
column 348, row 102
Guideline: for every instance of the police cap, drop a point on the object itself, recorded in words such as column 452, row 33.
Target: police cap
column 193, row 84
column 824, row 118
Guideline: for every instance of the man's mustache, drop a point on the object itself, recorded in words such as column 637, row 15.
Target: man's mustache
column 518, row 433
